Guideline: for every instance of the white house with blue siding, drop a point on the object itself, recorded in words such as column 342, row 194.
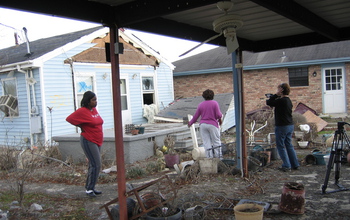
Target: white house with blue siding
column 42, row 82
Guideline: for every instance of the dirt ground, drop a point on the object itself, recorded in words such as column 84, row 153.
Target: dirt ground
column 216, row 193
column 59, row 189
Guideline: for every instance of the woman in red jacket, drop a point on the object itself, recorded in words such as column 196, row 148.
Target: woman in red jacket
column 90, row 122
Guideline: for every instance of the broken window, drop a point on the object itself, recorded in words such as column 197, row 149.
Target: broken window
column 148, row 90
column 298, row 76
column 83, row 84
column 8, row 101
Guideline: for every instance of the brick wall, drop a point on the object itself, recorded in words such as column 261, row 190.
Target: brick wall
column 194, row 85
column 256, row 84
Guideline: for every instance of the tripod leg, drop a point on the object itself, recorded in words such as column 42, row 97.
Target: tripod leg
column 328, row 172
column 337, row 161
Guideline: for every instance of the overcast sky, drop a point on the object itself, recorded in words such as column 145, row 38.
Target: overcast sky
column 41, row 26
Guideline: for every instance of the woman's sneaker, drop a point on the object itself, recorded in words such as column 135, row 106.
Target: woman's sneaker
column 284, row 169
column 90, row 193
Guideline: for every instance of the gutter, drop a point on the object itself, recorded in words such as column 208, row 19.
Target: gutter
column 265, row 66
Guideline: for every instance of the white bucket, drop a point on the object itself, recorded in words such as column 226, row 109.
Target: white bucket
column 198, row 153
column 209, row 165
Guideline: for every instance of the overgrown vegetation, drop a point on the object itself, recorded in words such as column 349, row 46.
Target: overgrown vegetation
column 51, row 210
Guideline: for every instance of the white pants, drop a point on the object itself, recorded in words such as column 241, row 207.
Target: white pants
column 211, row 140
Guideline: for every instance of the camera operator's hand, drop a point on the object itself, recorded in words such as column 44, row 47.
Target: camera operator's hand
column 271, row 96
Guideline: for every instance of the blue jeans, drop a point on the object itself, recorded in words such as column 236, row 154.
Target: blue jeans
column 284, row 146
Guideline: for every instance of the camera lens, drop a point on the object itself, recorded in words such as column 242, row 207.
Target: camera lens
column 268, row 95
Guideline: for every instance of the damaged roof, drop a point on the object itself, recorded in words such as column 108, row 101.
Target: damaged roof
column 40, row 47
column 218, row 58
column 182, row 107
column 133, row 54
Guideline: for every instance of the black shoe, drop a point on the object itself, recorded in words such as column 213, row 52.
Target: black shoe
column 97, row 192
column 296, row 168
column 90, row 193
column 284, row 169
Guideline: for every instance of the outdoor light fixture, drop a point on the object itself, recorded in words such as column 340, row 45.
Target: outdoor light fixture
column 314, row 74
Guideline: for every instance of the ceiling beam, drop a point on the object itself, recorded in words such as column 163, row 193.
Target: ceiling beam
column 175, row 29
column 292, row 10
column 286, row 42
column 139, row 11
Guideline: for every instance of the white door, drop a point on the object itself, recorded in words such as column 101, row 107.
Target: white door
column 334, row 90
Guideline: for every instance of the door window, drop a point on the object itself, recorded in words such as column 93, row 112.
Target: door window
column 334, row 79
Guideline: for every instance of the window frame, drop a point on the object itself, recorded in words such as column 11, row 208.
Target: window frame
column 10, row 113
column 79, row 95
column 151, row 91
column 298, row 76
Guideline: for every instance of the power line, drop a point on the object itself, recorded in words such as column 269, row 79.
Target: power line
column 8, row 26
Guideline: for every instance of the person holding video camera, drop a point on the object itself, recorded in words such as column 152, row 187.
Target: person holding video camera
column 284, row 127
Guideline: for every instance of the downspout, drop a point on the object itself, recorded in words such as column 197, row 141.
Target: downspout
column 34, row 110
column 70, row 61
column 43, row 103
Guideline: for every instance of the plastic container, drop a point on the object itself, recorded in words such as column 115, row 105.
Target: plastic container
column 209, row 165
column 198, row 153
column 319, row 158
column 171, row 160
column 249, row 211
column 292, row 198
column 303, row 144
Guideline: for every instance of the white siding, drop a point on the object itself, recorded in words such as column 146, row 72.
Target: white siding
column 57, row 89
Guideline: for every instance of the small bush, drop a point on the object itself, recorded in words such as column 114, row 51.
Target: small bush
column 8, row 158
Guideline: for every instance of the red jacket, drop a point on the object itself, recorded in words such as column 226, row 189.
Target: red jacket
column 90, row 123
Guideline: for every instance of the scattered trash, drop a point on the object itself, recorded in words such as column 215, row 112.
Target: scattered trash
column 111, row 169
column 194, row 213
column 181, row 166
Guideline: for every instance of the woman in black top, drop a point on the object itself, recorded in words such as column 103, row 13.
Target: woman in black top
column 284, row 127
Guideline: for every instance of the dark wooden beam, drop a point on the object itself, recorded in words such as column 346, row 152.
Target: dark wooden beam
column 285, row 42
column 175, row 29
column 295, row 12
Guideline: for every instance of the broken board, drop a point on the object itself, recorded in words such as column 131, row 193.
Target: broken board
column 312, row 118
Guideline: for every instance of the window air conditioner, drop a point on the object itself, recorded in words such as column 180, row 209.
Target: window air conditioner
column 8, row 103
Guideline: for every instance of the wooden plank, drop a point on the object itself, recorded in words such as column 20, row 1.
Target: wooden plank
column 193, row 133
column 312, row 118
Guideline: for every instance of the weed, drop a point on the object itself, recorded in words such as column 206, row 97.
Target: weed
column 153, row 167
column 135, row 172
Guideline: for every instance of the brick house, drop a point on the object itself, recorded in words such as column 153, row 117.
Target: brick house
column 317, row 74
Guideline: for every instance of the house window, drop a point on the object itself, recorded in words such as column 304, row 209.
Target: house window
column 83, row 84
column 148, row 90
column 298, row 76
column 123, row 95
column 8, row 101
column 334, row 79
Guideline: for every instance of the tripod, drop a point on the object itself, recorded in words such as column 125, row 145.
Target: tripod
column 336, row 157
